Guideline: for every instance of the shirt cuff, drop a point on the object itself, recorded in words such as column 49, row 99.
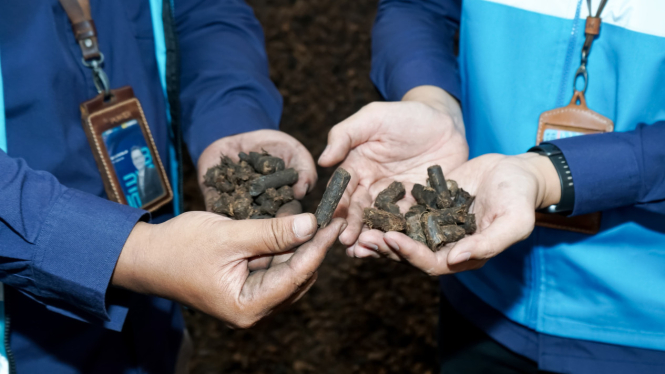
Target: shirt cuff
column 78, row 248
column 230, row 119
column 605, row 171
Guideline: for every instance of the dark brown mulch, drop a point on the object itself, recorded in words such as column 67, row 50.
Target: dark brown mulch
column 362, row 316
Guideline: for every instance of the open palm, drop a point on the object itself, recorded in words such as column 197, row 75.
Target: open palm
column 386, row 142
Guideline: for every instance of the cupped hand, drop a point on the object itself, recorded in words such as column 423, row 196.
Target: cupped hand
column 397, row 141
column 202, row 260
column 508, row 190
column 277, row 143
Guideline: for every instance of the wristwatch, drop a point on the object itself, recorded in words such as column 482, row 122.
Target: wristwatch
column 567, row 202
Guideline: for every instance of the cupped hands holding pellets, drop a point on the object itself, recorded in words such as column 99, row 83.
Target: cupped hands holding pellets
column 388, row 147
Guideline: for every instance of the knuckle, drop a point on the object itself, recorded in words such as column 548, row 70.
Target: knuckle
column 244, row 322
column 273, row 234
column 486, row 250
column 432, row 272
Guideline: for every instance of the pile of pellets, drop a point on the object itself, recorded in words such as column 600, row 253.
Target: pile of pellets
column 441, row 215
column 254, row 188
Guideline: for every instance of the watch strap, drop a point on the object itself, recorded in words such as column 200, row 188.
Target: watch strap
column 567, row 202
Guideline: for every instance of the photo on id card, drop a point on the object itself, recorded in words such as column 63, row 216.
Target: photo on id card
column 133, row 163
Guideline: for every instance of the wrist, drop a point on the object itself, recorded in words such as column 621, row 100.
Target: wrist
column 438, row 99
column 433, row 96
column 128, row 273
column 549, row 183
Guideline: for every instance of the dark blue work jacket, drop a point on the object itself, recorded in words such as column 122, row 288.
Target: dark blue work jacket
column 59, row 236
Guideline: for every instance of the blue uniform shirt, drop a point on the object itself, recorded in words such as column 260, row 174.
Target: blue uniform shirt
column 59, row 237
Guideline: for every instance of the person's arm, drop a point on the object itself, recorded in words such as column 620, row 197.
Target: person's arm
column 59, row 246
column 413, row 44
column 229, row 103
column 618, row 169
column 414, row 66
column 225, row 83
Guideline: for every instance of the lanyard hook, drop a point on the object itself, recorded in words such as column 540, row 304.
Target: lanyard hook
column 99, row 77
column 581, row 71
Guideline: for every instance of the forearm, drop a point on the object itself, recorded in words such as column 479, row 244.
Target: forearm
column 225, row 83
column 617, row 169
column 413, row 45
column 60, row 245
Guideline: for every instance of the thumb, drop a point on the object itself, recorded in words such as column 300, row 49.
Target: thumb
column 276, row 235
column 350, row 133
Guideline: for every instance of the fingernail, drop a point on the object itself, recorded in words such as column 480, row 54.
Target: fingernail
column 344, row 226
column 306, row 188
column 369, row 245
column 303, row 226
column 464, row 256
column 392, row 244
column 325, row 150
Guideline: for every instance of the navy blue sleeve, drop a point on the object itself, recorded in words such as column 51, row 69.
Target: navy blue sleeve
column 413, row 44
column 618, row 169
column 225, row 82
column 59, row 246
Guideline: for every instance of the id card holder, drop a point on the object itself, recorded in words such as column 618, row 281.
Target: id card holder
column 125, row 151
column 572, row 120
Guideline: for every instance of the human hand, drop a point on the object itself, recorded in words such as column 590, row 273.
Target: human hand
column 277, row 143
column 508, row 190
column 201, row 260
column 385, row 142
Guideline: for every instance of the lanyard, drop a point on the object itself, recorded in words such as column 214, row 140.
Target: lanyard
column 591, row 30
column 85, row 32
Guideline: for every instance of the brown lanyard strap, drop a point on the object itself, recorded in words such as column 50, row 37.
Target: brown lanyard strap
column 591, row 30
column 85, row 33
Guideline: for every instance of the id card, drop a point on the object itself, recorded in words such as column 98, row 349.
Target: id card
column 571, row 120
column 125, row 151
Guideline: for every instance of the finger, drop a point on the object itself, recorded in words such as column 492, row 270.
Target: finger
column 503, row 232
column 278, row 259
column 302, row 161
column 299, row 294
column 373, row 239
column 350, row 133
column 268, row 236
column 265, row 290
column 289, row 209
column 418, row 254
column 259, row 263
column 362, row 251
column 359, row 201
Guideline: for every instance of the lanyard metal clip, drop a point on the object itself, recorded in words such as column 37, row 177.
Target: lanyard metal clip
column 99, row 77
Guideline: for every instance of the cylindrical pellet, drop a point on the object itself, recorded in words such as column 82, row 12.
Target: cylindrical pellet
column 382, row 220
column 432, row 231
column 424, row 195
column 387, row 198
column 275, row 180
column 413, row 227
column 331, row 197
column 437, row 180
